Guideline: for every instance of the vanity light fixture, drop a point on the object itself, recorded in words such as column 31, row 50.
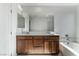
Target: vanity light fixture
column 38, row 9
column 20, row 8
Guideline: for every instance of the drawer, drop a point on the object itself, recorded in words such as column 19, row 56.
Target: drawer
column 51, row 37
column 46, row 37
column 20, row 37
column 37, row 43
column 28, row 37
column 24, row 37
column 37, row 37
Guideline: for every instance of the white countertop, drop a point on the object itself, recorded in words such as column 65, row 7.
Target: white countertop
column 36, row 34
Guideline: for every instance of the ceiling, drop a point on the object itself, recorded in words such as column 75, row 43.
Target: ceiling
column 48, row 8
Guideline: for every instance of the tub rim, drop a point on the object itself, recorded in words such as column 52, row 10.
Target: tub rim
column 73, row 51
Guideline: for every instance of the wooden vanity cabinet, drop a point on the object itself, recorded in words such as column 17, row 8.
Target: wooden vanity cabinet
column 37, row 44
column 23, row 44
column 54, row 44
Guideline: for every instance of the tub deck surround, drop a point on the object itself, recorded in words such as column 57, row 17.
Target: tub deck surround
column 37, row 44
column 70, row 49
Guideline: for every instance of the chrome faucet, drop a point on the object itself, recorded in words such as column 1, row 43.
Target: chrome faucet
column 22, row 30
column 67, row 37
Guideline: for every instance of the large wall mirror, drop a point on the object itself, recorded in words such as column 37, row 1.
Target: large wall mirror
column 41, row 23
column 20, row 21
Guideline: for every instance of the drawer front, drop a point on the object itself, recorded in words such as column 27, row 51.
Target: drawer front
column 28, row 37
column 24, row 37
column 46, row 37
column 37, row 43
column 21, row 37
column 37, row 37
column 51, row 37
column 38, row 46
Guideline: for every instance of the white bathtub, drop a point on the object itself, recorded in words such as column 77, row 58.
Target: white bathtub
column 71, row 49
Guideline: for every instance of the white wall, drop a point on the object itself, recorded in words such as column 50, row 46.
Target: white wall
column 77, row 31
column 8, row 24
column 65, row 23
column 15, row 11
column 5, row 29
column 14, row 26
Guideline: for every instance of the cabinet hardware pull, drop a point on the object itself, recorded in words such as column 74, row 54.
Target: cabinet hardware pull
column 37, row 46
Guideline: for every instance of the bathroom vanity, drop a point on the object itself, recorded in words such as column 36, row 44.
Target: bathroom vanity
column 37, row 44
column 36, row 35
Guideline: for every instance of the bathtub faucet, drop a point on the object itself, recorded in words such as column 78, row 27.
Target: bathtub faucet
column 67, row 37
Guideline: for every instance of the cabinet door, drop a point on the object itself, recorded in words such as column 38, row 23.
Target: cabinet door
column 24, row 46
column 29, row 46
column 54, row 44
column 21, row 46
column 53, row 47
column 46, row 46
column 50, row 46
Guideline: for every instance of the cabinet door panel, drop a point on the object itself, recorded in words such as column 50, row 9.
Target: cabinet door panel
column 46, row 46
column 29, row 46
column 53, row 43
column 21, row 46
